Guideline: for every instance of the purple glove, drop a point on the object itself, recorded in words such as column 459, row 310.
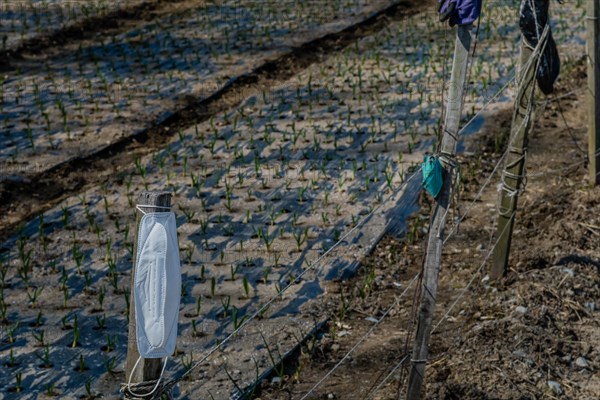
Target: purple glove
column 459, row 12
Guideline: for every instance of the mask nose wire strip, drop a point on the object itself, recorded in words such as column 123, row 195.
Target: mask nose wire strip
column 140, row 206
column 155, row 386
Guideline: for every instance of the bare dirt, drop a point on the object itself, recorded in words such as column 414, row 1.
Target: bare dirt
column 110, row 23
column 533, row 335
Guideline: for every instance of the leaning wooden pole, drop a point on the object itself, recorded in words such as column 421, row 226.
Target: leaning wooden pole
column 148, row 369
column 512, row 176
column 436, row 231
column 594, row 88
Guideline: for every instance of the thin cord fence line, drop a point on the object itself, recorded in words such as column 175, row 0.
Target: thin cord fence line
column 479, row 112
column 471, row 206
column 534, row 56
column 362, row 339
column 411, row 321
column 215, row 348
column 506, row 85
column 471, row 120
column 459, row 133
column 536, row 53
column 475, row 274
column 345, row 236
column 398, row 365
column 489, row 102
column 572, row 92
column 313, row 265
column 482, row 188
column 514, row 76
column 403, row 360
column 556, row 171
column 470, row 62
column 241, row 392
column 488, row 179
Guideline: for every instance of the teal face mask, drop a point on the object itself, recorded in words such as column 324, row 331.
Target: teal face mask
column 432, row 175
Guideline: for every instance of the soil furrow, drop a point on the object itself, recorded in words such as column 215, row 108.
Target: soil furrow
column 29, row 197
column 113, row 22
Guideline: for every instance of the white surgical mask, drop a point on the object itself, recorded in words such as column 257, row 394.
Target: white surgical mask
column 157, row 284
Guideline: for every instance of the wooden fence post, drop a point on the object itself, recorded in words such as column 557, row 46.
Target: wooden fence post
column 436, row 231
column 148, row 369
column 593, row 49
column 515, row 160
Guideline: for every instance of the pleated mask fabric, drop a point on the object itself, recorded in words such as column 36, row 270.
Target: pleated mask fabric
column 157, row 285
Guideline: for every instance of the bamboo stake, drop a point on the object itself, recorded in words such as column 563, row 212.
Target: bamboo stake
column 436, row 231
column 515, row 161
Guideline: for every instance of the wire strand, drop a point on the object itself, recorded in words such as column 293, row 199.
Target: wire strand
column 263, row 308
column 398, row 365
column 405, row 358
column 463, row 291
column 362, row 339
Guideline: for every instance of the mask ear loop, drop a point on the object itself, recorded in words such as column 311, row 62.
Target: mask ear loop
column 139, row 207
column 157, row 382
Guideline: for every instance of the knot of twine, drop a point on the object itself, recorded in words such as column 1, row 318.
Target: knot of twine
column 146, row 387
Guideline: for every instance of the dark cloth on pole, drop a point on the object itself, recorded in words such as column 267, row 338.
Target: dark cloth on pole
column 533, row 21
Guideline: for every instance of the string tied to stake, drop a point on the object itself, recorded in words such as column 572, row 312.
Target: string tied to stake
column 146, row 390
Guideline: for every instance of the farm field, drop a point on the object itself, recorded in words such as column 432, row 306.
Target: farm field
column 532, row 337
column 290, row 136
column 137, row 78
column 103, row 87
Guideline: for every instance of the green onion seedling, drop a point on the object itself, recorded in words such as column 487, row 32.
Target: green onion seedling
column 184, row 286
column 81, row 367
column 12, row 362
column 18, row 384
column 213, row 286
column 198, row 305
column 101, row 322
column 10, row 332
column 38, row 320
column 101, row 295
column 237, row 322
column 76, row 334
column 187, row 362
column 126, row 294
column 111, row 343
column 33, row 293
column 246, row 286
column 226, row 302
column 45, row 357
column 110, row 363
column 39, row 337
column 278, row 366
column 234, row 271
column 65, row 216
